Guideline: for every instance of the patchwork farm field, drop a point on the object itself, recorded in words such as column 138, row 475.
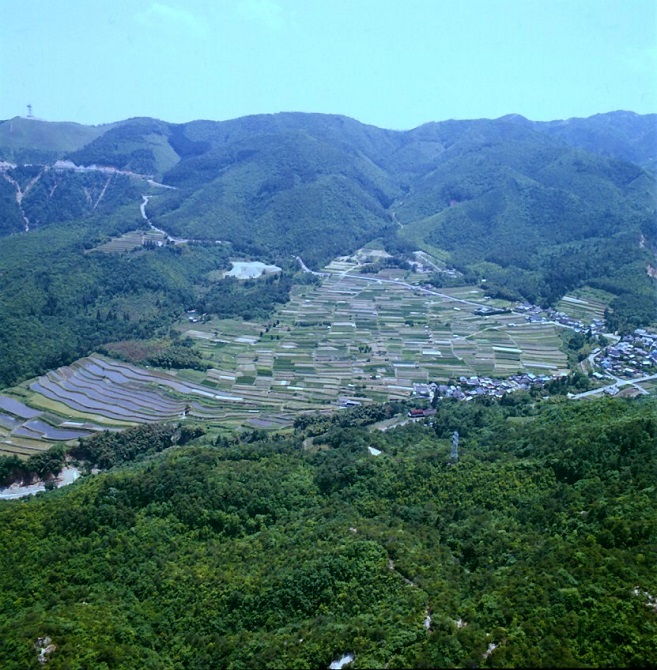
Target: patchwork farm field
column 585, row 304
column 354, row 338
column 134, row 239
column 358, row 337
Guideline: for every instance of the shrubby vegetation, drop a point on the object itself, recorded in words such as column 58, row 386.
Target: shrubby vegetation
column 180, row 357
column 177, row 353
column 102, row 450
column 260, row 553
column 249, row 299
column 58, row 303
column 180, row 354
column 40, row 466
column 106, row 450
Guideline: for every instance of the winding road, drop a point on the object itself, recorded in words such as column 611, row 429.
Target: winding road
column 396, row 282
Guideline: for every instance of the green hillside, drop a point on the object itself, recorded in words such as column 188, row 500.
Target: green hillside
column 534, row 217
column 58, row 302
column 138, row 145
column 535, row 549
column 25, row 140
column 626, row 135
column 282, row 194
column 49, row 195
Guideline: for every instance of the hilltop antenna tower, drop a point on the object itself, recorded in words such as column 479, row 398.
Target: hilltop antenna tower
column 29, row 112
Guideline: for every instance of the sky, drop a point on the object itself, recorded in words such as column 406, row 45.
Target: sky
column 391, row 63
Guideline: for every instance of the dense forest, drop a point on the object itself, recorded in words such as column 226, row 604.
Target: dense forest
column 535, row 548
column 58, row 303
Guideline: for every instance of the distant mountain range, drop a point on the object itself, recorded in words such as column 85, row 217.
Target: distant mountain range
column 534, row 208
column 621, row 134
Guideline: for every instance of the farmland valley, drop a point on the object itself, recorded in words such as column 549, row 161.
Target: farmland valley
column 294, row 391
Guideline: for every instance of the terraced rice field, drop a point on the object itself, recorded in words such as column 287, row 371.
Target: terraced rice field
column 354, row 338
column 26, row 430
column 585, row 304
column 131, row 240
column 96, row 394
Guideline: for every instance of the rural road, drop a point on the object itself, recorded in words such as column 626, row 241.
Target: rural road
column 396, row 282
column 618, row 383
column 306, row 269
column 142, row 207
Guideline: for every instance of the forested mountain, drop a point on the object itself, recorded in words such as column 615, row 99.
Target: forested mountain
column 625, row 135
column 536, row 549
column 332, row 180
column 534, row 217
column 139, row 145
column 289, row 193
column 271, row 169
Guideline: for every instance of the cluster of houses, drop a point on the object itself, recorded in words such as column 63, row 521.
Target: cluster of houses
column 194, row 317
column 467, row 388
column 420, row 413
column 535, row 314
column 635, row 355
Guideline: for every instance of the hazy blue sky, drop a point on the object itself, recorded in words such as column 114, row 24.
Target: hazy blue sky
column 392, row 63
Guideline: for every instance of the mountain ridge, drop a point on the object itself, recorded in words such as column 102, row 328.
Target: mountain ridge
column 620, row 121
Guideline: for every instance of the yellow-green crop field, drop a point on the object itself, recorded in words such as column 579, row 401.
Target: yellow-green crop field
column 585, row 304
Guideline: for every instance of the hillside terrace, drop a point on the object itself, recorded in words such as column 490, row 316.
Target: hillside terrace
column 534, row 314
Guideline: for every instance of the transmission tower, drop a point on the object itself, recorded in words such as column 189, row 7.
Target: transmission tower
column 454, row 453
